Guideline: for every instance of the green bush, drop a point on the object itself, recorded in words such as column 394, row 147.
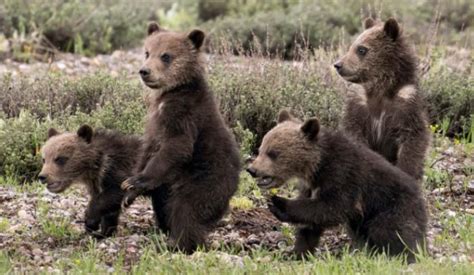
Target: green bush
column 281, row 29
column 55, row 95
column 30, row 107
column 20, row 140
column 79, row 26
column 250, row 92
column 450, row 99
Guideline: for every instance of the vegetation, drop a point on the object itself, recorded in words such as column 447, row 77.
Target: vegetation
column 264, row 56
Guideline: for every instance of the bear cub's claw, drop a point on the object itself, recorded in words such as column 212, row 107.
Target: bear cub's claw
column 126, row 185
column 278, row 208
column 133, row 187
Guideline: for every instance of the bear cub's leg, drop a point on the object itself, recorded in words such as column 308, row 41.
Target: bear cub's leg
column 307, row 238
column 104, row 210
column 186, row 231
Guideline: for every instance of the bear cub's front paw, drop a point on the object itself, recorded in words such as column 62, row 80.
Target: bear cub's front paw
column 91, row 225
column 278, row 208
column 134, row 187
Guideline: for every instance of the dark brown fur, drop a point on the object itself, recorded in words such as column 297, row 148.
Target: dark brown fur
column 388, row 113
column 189, row 153
column 346, row 183
column 101, row 160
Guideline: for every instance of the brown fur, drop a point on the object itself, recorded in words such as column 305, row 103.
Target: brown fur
column 388, row 113
column 101, row 160
column 344, row 183
column 188, row 151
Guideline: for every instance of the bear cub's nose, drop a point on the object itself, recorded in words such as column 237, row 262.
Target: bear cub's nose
column 144, row 72
column 338, row 65
column 42, row 178
column 252, row 172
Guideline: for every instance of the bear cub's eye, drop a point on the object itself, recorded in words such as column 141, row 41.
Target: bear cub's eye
column 273, row 154
column 361, row 50
column 61, row 160
column 147, row 54
column 166, row 58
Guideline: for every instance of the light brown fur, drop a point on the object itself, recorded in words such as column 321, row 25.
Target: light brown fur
column 274, row 159
column 345, row 183
column 70, row 146
column 100, row 160
column 187, row 63
column 388, row 113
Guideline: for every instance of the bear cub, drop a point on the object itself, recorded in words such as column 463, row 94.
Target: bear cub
column 345, row 183
column 189, row 153
column 388, row 112
column 101, row 160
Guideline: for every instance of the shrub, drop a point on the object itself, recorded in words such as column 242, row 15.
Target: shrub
column 20, row 140
column 280, row 31
column 450, row 99
column 251, row 91
column 280, row 28
column 55, row 95
column 78, row 26
column 30, row 107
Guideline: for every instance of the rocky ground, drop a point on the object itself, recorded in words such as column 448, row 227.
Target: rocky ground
column 39, row 227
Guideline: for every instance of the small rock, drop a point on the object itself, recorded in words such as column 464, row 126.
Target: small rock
column 470, row 187
column 131, row 249
column 61, row 65
column 253, row 239
column 37, row 252
column 231, row 259
column 450, row 213
column 440, row 190
column 23, row 215
column 48, row 259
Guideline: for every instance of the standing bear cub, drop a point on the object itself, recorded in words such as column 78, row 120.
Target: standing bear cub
column 188, row 152
column 101, row 160
column 345, row 183
column 388, row 113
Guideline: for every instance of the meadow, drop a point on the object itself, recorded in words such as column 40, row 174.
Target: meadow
column 73, row 62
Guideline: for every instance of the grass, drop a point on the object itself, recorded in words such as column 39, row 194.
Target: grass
column 56, row 227
column 153, row 260
column 75, row 253
column 251, row 89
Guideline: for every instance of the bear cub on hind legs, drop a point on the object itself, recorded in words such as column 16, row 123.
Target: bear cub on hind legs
column 388, row 112
column 345, row 183
column 188, row 150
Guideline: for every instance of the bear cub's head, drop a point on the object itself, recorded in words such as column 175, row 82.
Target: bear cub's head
column 288, row 150
column 66, row 158
column 171, row 58
column 373, row 53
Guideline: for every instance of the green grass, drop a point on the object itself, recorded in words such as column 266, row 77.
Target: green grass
column 153, row 260
column 453, row 244
column 58, row 228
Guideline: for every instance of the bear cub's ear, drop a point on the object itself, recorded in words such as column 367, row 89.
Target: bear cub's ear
column 85, row 132
column 310, row 128
column 153, row 27
column 392, row 29
column 283, row 116
column 197, row 37
column 369, row 22
column 52, row 132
